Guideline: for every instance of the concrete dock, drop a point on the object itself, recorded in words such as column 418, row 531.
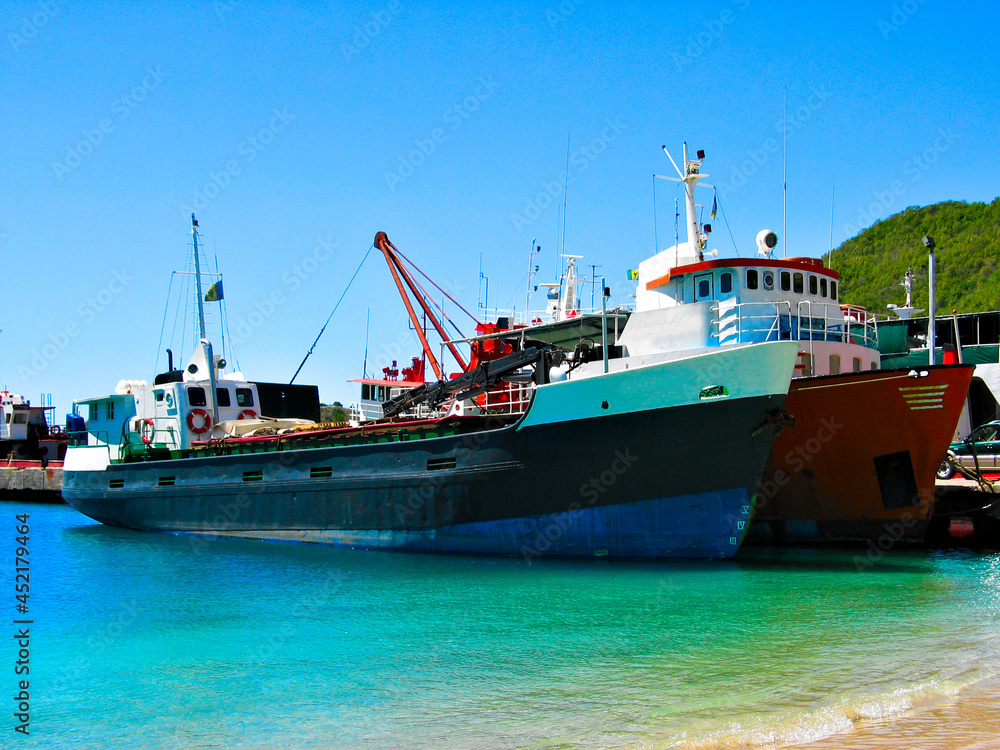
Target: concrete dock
column 31, row 485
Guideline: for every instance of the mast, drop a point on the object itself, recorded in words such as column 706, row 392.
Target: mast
column 690, row 177
column 527, row 290
column 568, row 301
column 197, row 280
column 203, row 342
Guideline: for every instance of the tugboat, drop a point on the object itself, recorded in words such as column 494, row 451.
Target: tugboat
column 601, row 456
column 31, row 451
column 860, row 459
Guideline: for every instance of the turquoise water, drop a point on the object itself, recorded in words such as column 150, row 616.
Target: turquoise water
column 162, row 641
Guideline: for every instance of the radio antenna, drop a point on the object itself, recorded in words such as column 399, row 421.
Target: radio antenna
column 569, row 131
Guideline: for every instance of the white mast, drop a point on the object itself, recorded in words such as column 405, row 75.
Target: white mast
column 197, row 279
column 568, row 301
column 205, row 344
column 690, row 177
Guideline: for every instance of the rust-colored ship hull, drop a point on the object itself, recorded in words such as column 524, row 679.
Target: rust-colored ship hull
column 859, row 465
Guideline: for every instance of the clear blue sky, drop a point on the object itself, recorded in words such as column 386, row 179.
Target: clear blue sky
column 290, row 125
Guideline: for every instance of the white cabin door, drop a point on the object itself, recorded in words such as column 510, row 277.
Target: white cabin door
column 703, row 287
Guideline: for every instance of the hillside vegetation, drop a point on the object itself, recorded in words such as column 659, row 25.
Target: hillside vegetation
column 871, row 265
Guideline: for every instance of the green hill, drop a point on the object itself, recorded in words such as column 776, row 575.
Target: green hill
column 967, row 235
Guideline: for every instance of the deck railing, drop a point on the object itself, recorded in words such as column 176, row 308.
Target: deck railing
column 751, row 322
column 512, row 399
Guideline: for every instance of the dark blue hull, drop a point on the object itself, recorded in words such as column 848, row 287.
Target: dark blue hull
column 647, row 484
column 709, row 525
column 643, row 463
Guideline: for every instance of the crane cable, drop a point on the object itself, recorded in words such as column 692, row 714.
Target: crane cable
column 321, row 330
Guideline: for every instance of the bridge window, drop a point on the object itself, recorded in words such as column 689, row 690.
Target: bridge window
column 822, row 287
column 726, row 283
column 244, row 396
column 797, row 285
column 196, row 396
column 768, row 280
column 752, row 278
column 786, row 281
column 812, row 285
column 111, row 410
column 222, row 396
column 366, row 392
column 704, row 289
column 857, row 364
column 833, row 290
column 834, row 364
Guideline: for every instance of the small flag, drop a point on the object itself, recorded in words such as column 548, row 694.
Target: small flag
column 715, row 205
column 214, row 293
column 633, row 275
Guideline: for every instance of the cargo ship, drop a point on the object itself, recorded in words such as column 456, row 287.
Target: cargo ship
column 859, row 461
column 598, row 455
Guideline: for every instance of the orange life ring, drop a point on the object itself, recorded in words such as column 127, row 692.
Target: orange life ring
column 248, row 414
column 205, row 427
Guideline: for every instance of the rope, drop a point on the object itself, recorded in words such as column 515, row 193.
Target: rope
column 321, row 330
column 163, row 325
column 457, row 304
column 432, row 301
column 723, row 210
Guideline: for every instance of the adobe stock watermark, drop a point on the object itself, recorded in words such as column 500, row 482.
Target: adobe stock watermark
column 32, row 25
column 557, row 524
column 562, row 12
column 796, row 460
column 364, row 34
column 901, row 14
column 914, row 169
column 224, row 8
column 291, row 279
column 453, row 117
column 231, row 510
column 315, row 602
column 248, row 149
column 121, row 109
column 787, row 127
column 580, row 160
column 702, row 41
column 892, row 532
column 87, row 311
column 430, row 487
column 98, row 642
